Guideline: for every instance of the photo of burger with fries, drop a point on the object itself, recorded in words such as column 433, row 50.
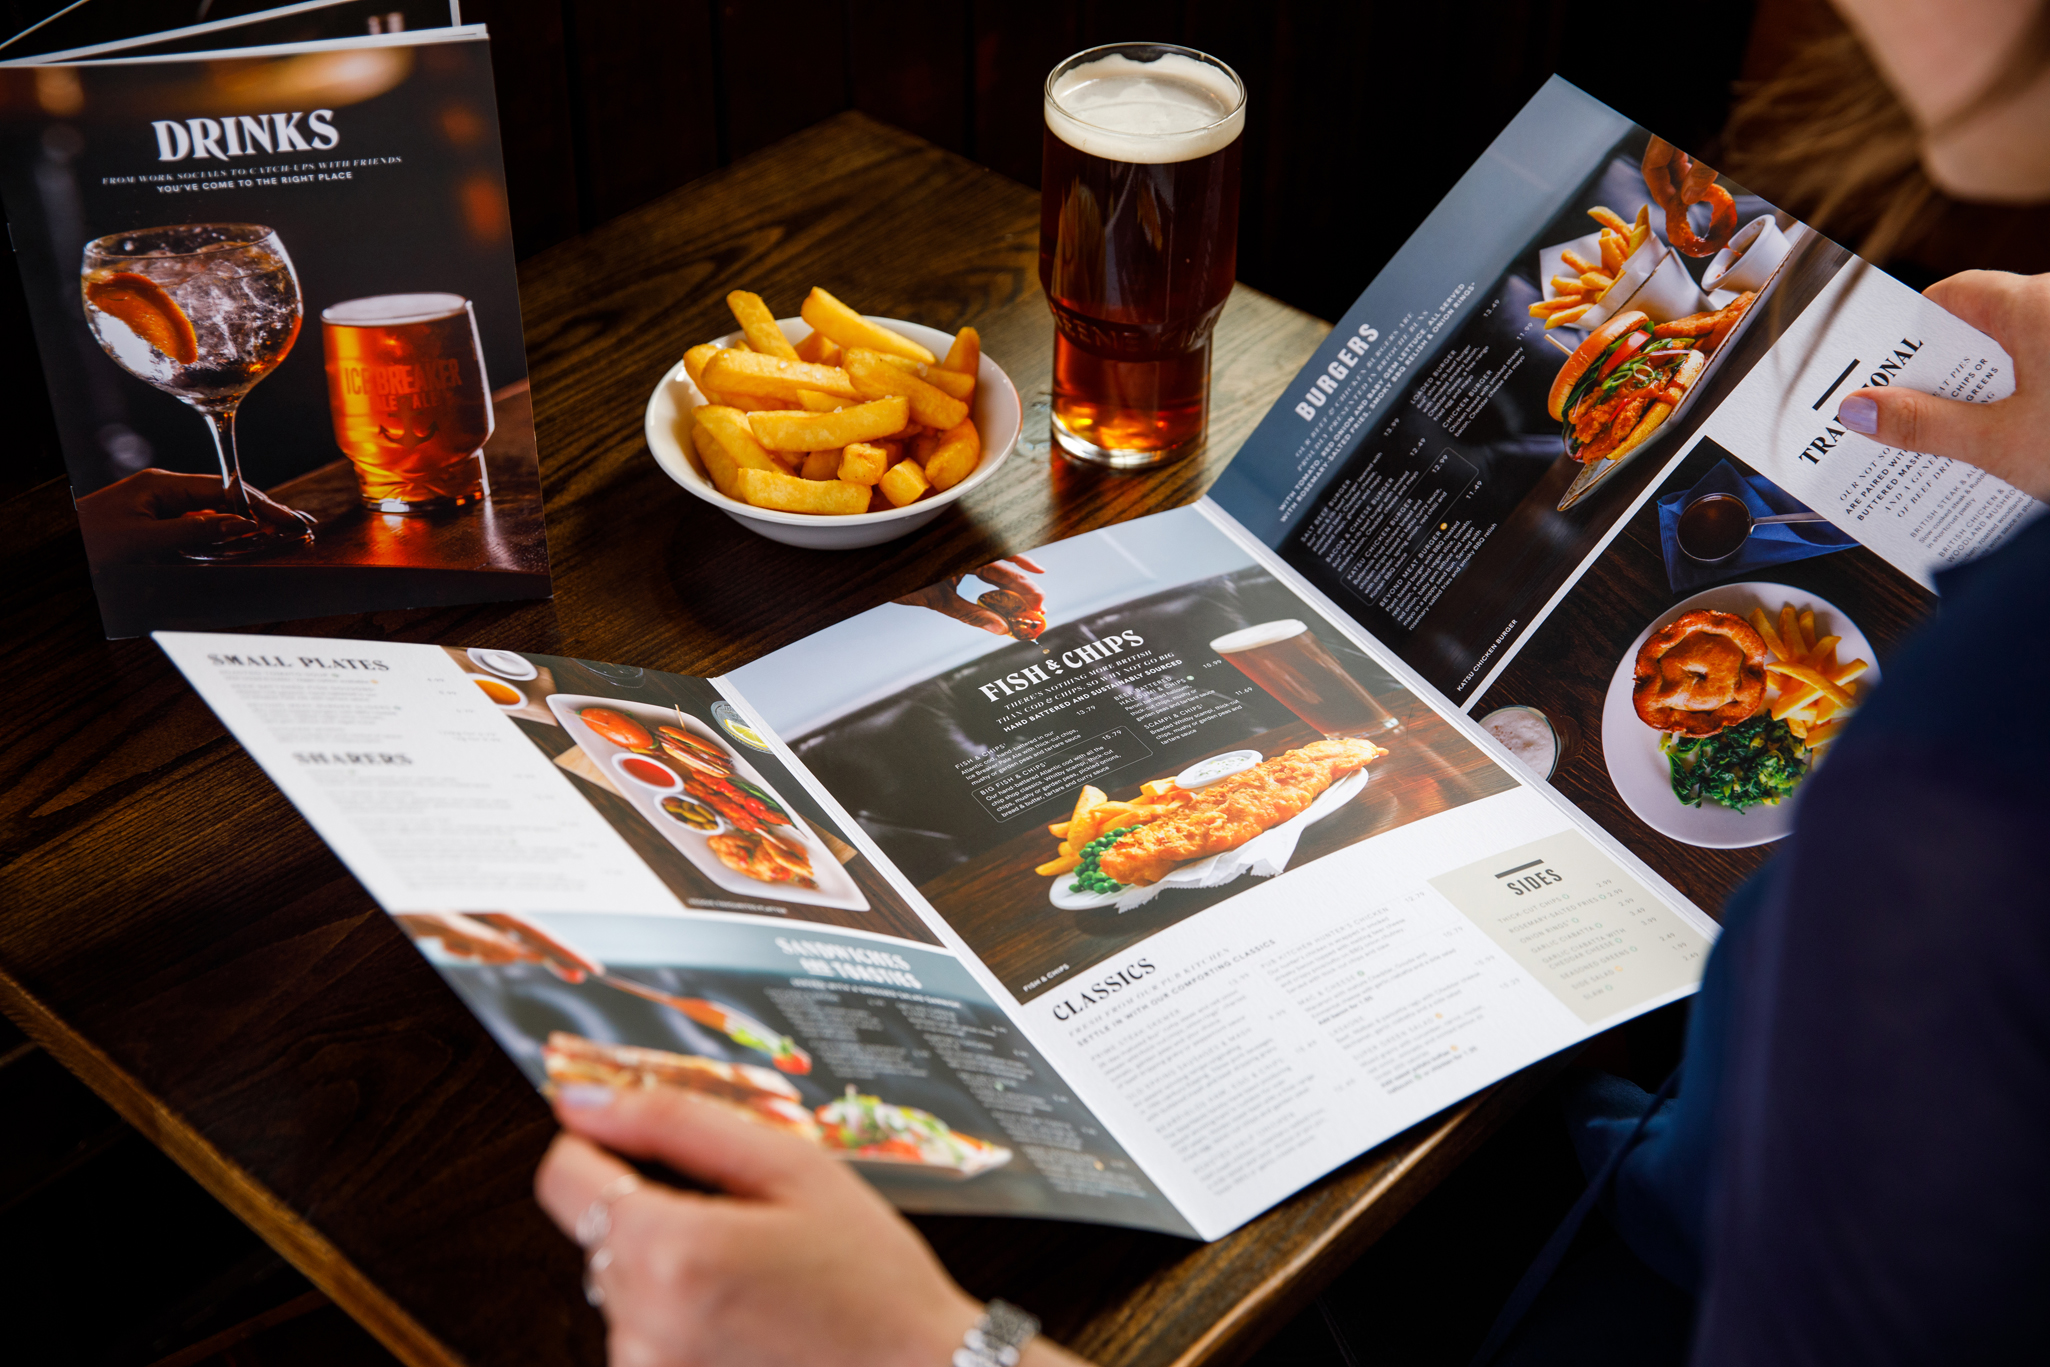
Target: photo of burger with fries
column 1628, row 377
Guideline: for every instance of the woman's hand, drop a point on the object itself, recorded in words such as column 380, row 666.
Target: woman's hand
column 800, row 1263
column 153, row 513
column 2010, row 438
column 1013, row 597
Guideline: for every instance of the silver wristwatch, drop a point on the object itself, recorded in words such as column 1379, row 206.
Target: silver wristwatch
column 997, row 1338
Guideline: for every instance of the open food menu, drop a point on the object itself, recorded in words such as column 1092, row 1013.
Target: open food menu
column 1148, row 876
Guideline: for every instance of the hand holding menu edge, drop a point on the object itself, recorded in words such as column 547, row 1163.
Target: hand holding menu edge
column 796, row 1260
column 2010, row 438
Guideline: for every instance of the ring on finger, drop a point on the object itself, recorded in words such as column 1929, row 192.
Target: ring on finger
column 595, row 1224
column 601, row 1258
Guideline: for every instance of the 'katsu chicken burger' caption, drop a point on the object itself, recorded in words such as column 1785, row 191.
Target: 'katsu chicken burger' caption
column 1620, row 384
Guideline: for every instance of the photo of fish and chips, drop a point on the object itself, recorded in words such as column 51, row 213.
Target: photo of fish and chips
column 1108, row 849
column 691, row 787
column 919, row 1083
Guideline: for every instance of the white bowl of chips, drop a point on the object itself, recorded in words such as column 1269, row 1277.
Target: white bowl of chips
column 994, row 408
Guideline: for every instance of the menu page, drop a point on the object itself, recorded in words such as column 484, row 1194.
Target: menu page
column 1217, row 850
column 1557, row 333
column 1573, row 458
column 277, row 397
column 620, row 875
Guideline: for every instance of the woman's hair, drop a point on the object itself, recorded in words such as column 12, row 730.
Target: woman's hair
column 1826, row 138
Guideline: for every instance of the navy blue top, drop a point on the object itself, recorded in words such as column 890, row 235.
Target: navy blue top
column 1857, row 1168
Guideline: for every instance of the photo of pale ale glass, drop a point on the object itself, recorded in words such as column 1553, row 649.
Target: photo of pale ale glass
column 1138, row 244
column 410, row 400
column 1288, row 660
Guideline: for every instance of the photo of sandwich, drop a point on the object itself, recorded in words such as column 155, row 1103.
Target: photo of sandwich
column 1620, row 385
column 760, row 1095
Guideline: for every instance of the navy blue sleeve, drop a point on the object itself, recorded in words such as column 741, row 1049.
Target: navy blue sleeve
column 1880, row 1190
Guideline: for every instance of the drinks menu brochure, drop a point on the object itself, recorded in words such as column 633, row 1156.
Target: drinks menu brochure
column 271, row 282
column 1201, row 880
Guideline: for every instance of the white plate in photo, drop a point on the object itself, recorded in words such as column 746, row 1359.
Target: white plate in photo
column 1198, row 874
column 836, row 887
column 504, row 663
column 1640, row 770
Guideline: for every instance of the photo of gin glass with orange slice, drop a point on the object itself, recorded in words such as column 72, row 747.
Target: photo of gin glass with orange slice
column 201, row 311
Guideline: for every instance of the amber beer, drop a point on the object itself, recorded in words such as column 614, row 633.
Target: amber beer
column 411, row 405
column 1288, row 660
column 1138, row 244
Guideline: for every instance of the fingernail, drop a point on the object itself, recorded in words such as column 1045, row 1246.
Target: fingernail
column 1859, row 413
column 584, row 1096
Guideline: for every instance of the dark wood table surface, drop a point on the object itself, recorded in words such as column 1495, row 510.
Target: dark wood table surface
column 179, row 938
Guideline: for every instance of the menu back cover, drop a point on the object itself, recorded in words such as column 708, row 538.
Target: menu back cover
column 274, row 297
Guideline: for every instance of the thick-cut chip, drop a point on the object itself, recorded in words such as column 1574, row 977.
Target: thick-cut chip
column 1814, row 679
column 750, row 372
column 955, row 458
column 828, row 315
column 731, row 429
column 1067, row 863
column 719, row 467
column 966, row 353
column 697, row 358
column 813, row 401
column 904, row 483
column 789, row 494
column 863, row 462
column 949, row 382
column 1566, row 316
column 922, row 446
column 821, row 465
column 874, row 378
column 818, row 349
column 803, row 431
column 760, row 325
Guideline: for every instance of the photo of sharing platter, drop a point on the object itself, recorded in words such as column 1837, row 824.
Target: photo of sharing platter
column 708, row 802
column 1649, row 330
column 1723, row 706
column 864, row 1130
column 1219, row 819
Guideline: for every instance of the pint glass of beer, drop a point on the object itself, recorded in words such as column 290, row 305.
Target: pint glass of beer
column 1138, row 244
column 1288, row 660
column 410, row 401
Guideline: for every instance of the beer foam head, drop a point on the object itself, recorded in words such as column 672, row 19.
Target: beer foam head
column 1173, row 108
column 388, row 310
column 1252, row 638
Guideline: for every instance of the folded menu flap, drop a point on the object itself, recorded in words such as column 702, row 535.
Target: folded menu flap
column 842, row 851
column 577, row 762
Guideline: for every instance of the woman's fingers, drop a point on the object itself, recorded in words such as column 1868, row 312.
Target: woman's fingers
column 2014, row 310
column 570, row 1178
column 1915, row 421
column 702, row 1141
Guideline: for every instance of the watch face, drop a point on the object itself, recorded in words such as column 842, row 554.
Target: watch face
column 736, row 726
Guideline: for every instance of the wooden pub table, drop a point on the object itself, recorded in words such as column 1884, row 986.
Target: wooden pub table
column 173, row 932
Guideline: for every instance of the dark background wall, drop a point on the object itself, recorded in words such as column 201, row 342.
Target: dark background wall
column 1360, row 115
